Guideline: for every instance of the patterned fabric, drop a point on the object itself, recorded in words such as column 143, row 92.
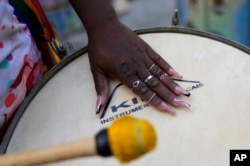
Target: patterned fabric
column 20, row 63
column 31, row 13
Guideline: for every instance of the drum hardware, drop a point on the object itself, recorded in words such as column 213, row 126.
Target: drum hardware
column 175, row 18
column 219, row 6
column 62, row 49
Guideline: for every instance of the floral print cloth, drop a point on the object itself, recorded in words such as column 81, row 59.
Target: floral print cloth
column 20, row 63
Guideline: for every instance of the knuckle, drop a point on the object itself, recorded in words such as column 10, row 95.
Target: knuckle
column 156, row 57
column 172, row 84
column 168, row 80
column 158, row 71
column 155, row 84
column 144, row 90
column 169, row 96
column 126, row 71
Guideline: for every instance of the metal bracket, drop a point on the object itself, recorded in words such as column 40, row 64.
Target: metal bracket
column 175, row 18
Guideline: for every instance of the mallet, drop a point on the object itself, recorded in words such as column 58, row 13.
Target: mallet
column 126, row 139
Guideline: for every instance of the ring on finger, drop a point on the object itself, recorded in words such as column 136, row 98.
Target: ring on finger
column 148, row 78
column 151, row 67
column 135, row 84
column 154, row 94
column 163, row 76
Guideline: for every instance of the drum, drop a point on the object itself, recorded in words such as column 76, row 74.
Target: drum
column 215, row 70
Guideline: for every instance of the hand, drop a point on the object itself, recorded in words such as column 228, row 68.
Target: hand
column 114, row 50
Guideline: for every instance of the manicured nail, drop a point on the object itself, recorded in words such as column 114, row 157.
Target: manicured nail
column 182, row 103
column 98, row 104
column 180, row 90
column 167, row 108
column 174, row 73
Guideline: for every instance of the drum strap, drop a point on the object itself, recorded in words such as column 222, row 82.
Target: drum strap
column 31, row 13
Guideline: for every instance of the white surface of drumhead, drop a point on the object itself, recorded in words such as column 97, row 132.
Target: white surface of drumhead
column 219, row 118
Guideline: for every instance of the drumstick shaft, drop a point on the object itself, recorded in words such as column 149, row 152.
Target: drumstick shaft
column 86, row 147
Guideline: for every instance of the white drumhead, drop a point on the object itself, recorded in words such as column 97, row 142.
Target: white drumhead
column 219, row 118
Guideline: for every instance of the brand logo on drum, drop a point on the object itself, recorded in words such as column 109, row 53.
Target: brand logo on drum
column 124, row 107
column 133, row 104
column 196, row 84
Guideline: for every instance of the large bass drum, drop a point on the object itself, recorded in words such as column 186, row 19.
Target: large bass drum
column 215, row 70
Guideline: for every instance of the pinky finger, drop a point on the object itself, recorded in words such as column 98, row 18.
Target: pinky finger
column 158, row 103
column 153, row 99
column 142, row 90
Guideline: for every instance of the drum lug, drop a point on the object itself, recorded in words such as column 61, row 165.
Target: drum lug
column 61, row 49
column 219, row 6
column 175, row 18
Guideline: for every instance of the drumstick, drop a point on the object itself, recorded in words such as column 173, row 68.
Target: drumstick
column 126, row 139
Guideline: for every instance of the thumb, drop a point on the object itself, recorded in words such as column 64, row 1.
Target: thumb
column 102, row 90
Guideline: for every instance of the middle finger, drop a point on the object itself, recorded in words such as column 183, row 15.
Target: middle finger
column 154, row 84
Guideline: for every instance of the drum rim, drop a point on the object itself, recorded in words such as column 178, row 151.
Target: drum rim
column 14, row 122
column 184, row 30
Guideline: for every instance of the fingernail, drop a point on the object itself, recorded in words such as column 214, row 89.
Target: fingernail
column 182, row 103
column 174, row 73
column 98, row 104
column 167, row 108
column 180, row 90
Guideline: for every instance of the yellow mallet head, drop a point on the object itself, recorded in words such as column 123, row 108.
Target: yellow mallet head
column 127, row 139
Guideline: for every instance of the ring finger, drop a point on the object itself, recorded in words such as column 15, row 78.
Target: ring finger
column 163, row 91
column 167, row 80
column 142, row 90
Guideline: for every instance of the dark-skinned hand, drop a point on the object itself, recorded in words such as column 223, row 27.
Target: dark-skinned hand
column 115, row 50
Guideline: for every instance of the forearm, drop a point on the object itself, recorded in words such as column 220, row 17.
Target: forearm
column 94, row 13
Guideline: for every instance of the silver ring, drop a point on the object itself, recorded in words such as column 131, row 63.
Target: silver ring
column 163, row 76
column 151, row 67
column 148, row 78
column 154, row 94
column 135, row 84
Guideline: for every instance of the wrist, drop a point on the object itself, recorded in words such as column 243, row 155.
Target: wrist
column 100, row 23
column 95, row 14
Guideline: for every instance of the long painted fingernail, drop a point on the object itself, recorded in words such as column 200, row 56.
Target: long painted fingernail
column 182, row 103
column 174, row 73
column 167, row 108
column 98, row 104
column 180, row 90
